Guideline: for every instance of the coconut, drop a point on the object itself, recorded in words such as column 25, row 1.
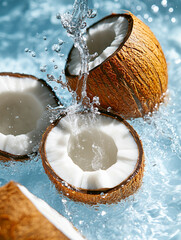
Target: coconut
column 93, row 158
column 24, row 216
column 23, row 114
column 129, row 73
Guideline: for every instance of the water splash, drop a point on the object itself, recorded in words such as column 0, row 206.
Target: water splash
column 75, row 24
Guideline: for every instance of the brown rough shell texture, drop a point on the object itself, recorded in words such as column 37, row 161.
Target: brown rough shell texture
column 134, row 79
column 102, row 196
column 5, row 156
column 19, row 218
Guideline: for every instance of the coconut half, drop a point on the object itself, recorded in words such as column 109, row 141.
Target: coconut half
column 24, row 216
column 129, row 73
column 23, row 114
column 93, row 158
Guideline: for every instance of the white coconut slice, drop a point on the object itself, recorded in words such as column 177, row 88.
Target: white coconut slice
column 103, row 39
column 23, row 114
column 129, row 73
column 88, row 154
column 24, row 216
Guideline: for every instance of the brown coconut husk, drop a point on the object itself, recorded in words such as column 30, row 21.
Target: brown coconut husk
column 20, row 219
column 99, row 196
column 133, row 80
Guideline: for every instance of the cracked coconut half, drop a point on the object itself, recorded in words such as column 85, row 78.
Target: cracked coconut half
column 23, row 114
column 93, row 158
column 129, row 73
column 24, row 216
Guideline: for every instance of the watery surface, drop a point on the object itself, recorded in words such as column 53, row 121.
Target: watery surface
column 32, row 39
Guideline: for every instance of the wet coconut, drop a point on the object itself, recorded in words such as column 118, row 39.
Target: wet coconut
column 93, row 158
column 24, row 216
column 23, row 114
column 129, row 73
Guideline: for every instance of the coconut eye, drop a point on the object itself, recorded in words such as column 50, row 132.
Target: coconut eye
column 129, row 71
column 24, row 116
column 102, row 154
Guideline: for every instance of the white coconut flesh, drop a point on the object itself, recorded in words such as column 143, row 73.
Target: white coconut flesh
column 104, row 38
column 60, row 222
column 91, row 153
column 23, row 108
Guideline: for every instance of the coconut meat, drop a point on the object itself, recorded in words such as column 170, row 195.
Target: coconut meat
column 23, row 103
column 60, row 222
column 103, row 38
column 91, row 153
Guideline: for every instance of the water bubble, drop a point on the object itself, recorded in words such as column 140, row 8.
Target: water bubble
column 46, row 49
column 29, row 51
column 55, row 66
column 26, row 49
column 55, row 88
column 44, row 38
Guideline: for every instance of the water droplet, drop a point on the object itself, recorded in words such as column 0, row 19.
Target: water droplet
column 109, row 109
column 164, row 3
column 33, row 54
column 138, row 8
column 146, row 16
column 155, row 8
column 58, row 16
column 60, row 41
column 56, row 48
column 170, row 10
column 103, row 213
column 173, row 20
column 43, row 68
column 83, row 25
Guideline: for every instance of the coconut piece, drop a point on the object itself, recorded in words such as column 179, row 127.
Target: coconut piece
column 24, row 216
column 93, row 158
column 129, row 73
column 23, row 114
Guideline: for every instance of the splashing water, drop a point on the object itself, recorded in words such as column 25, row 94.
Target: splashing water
column 75, row 24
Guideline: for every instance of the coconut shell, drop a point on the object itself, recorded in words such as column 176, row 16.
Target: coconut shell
column 126, row 188
column 5, row 156
column 133, row 80
column 20, row 219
